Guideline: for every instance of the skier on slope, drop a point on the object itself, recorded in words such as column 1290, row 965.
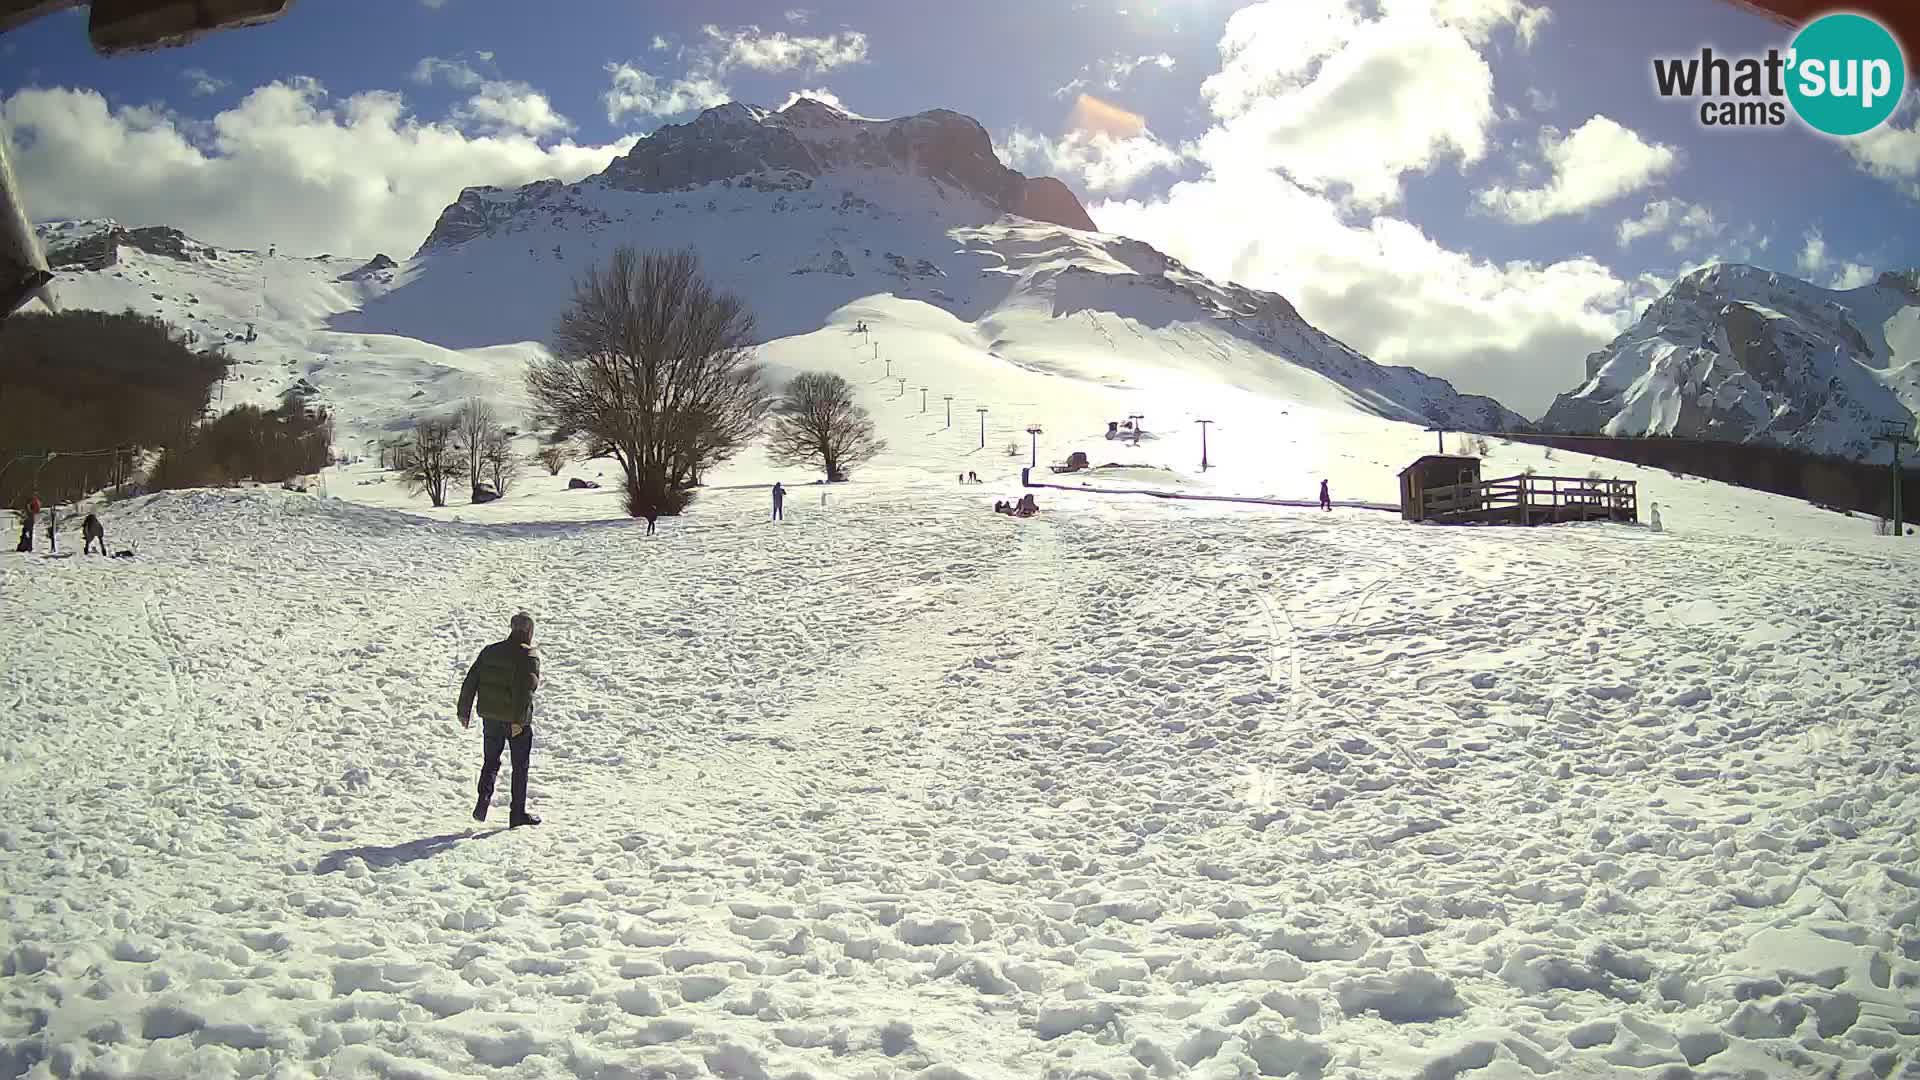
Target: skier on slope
column 94, row 532
column 1326, row 500
column 779, row 501
column 503, row 680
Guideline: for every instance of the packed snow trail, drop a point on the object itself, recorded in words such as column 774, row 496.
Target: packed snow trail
column 904, row 788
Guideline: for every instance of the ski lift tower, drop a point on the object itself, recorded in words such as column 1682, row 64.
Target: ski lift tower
column 1204, row 466
column 982, row 410
column 1896, row 433
column 1134, row 419
column 1033, row 434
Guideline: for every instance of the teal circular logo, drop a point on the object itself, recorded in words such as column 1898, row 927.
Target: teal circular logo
column 1845, row 74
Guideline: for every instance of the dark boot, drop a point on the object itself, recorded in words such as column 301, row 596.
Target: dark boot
column 526, row 819
column 480, row 809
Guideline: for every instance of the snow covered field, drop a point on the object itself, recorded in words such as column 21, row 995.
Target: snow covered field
column 902, row 788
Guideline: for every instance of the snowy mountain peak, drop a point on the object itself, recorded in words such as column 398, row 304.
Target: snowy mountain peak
column 811, row 112
column 95, row 244
column 791, row 150
column 1743, row 353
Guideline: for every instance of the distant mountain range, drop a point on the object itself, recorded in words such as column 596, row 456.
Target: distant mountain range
column 1742, row 354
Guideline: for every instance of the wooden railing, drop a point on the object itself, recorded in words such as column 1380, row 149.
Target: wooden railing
column 1527, row 499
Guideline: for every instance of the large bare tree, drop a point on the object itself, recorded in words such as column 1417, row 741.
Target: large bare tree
column 428, row 460
column 474, row 428
column 817, row 423
column 653, row 364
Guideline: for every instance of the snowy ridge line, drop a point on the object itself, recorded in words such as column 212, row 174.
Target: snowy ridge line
column 1307, row 503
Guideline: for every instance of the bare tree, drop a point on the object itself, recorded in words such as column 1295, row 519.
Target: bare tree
column 474, row 427
column 554, row 457
column 497, row 456
column 429, row 459
column 653, row 363
column 817, row 423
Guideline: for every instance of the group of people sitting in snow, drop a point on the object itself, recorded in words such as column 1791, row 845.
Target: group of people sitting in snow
column 860, row 328
column 971, row 478
column 1026, row 507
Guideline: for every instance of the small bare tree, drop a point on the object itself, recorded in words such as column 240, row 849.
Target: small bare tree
column 474, row 428
column 817, row 423
column 429, row 459
column 654, row 364
column 554, row 457
column 497, row 456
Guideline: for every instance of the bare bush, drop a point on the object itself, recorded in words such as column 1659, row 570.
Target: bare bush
column 818, row 424
column 498, row 460
column 652, row 363
column 554, row 457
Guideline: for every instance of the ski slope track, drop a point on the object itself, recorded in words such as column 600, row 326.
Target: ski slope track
column 1742, row 354
column 898, row 787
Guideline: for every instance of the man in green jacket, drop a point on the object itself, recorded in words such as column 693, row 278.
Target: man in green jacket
column 503, row 680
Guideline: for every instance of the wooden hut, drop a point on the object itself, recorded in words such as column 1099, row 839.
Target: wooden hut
column 1446, row 489
column 1435, row 483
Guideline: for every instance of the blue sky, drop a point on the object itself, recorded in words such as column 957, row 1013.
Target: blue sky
column 1486, row 189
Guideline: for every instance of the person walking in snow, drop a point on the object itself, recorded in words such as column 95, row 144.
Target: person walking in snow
column 93, row 532
column 1326, row 499
column 502, row 681
column 29, row 518
column 53, row 524
column 779, row 501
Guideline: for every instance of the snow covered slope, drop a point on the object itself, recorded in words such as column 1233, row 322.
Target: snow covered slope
column 899, row 788
column 374, row 383
column 1740, row 353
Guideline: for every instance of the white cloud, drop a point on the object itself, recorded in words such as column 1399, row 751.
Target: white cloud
column 363, row 174
column 778, row 51
column 638, row 93
column 1320, row 107
column 455, row 73
column 1852, row 275
column 1343, row 102
column 1813, row 256
column 1102, row 163
column 1685, row 225
column 1516, row 330
column 202, row 83
column 1819, row 265
column 511, row 107
column 1114, row 71
column 661, row 44
column 1600, row 162
column 1892, row 150
column 797, row 16
column 497, row 105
